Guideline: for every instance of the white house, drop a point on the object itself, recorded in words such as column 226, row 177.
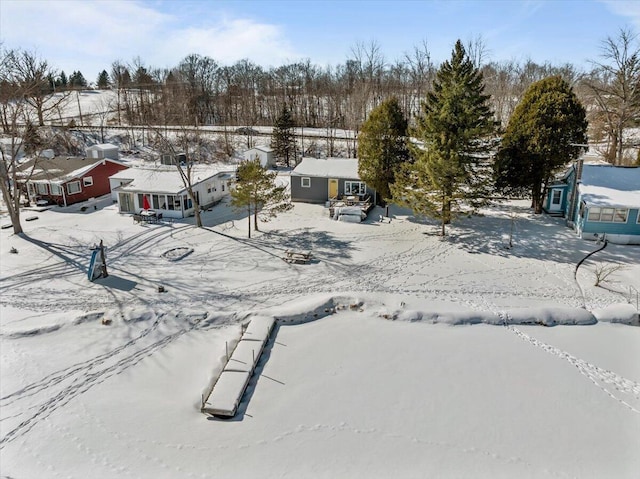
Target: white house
column 165, row 191
column 262, row 153
column 104, row 150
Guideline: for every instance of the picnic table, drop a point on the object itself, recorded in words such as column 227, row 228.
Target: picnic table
column 147, row 216
column 299, row 257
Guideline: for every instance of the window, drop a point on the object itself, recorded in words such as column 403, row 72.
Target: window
column 638, row 220
column 41, row 189
column 556, row 197
column 155, row 202
column 305, row 182
column 608, row 215
column 87, row 181
column 353, row 188
column 171, row 201
column 73, row 187
column 222, row 186
column 620, row 216
column 56, row 190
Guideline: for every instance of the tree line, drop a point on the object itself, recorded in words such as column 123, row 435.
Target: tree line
column 201, row 91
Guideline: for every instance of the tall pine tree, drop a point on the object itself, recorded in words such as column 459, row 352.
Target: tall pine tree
column 76, row 80
column 382, row 147
column 543, row 135
column 283, row 140
column 103, row 80
column 454, row 129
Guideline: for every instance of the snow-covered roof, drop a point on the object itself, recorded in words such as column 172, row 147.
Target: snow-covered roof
column 103, row 146
column 608, row 185
column 165, row 179
column 328, row 168
column 60, row 168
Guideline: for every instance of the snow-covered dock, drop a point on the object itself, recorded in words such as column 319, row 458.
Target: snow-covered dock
column 230, row 386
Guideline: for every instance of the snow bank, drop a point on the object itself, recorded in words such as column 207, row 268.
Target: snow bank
column 550, row 316
column 320, row 306
column 618, row 313
column 542, row 316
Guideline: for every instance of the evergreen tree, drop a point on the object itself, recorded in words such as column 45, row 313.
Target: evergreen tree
column 454, row 128
column 283, row 140
column 103, row 80
column 52, row 82
column 142, row 78
column 76, row 80
column 63, row 81
column 32, row 141
column 541, row 138
column 256, row 193
column 382, row 147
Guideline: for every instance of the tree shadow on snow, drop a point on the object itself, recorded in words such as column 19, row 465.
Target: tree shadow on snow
column 533, row 236
column 322, row 244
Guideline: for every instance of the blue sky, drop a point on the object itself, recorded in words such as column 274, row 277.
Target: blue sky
column 90, row 35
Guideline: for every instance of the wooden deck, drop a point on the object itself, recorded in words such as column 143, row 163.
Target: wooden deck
column 365, row 203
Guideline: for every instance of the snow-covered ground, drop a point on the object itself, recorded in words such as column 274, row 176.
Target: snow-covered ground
column 366, row 376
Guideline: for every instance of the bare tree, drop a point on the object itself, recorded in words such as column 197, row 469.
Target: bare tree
column 11, row 177
column 615, row 87
column 104, row 111
column 190, row 143
column 603, row 271
column 31, row 76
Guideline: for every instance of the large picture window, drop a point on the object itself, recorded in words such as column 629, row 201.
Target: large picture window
column 73, row 187
column 353, row 188
column 41, row 189
column 608, row 215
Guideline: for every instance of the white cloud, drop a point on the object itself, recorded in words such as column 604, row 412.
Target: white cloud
column 230, row 41
column 625, row 8
column 90, row 35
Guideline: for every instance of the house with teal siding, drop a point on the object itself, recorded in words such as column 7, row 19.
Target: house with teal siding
column 599, row 200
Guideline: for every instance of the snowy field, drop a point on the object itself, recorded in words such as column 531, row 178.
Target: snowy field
column 374, row 370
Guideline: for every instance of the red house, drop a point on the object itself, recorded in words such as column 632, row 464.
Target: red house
column 67, row 180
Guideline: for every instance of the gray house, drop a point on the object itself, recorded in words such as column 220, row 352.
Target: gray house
column 316, row 180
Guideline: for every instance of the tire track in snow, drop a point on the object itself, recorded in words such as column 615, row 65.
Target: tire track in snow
column 65, row 373
column 85, row 381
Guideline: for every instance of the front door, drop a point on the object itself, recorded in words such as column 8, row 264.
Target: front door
column 556, row 200
column 333, row 188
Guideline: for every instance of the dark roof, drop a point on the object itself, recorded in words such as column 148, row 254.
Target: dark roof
column 59, row 168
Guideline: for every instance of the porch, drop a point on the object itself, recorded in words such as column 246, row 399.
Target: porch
column 363, row 202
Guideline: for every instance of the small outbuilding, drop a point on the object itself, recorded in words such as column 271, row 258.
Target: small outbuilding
column 318, row 180
column 104, row 150
column 163, row 190
column 264, row 154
